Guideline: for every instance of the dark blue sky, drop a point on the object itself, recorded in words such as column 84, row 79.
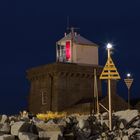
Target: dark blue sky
column 29, row 30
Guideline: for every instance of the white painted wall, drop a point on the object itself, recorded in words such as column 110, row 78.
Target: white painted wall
column 85, row 54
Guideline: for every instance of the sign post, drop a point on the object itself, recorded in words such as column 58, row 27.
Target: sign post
column 109, row 73
column 128, row 81
column 96, row 91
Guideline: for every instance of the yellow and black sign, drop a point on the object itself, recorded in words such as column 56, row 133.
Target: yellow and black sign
column 128, row 82
column 109, row 71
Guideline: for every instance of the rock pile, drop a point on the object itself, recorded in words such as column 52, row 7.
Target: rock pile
column 126, row 126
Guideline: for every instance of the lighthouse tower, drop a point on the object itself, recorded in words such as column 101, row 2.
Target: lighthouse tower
column 73, row 48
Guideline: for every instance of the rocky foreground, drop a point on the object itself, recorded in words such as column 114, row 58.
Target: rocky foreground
column 126, row 126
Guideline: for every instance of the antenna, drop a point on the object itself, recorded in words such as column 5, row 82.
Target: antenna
column 67, row 22
column 70, row 28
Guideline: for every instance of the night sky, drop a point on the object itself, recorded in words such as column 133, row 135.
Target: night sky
column 30, row 29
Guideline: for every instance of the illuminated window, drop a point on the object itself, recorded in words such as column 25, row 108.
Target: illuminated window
column 61, row 53
column 44, row 97
column 68, row 54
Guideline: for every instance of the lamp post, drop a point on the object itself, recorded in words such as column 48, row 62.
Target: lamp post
column 109, row 46
column 128, row 81
column 109, row 73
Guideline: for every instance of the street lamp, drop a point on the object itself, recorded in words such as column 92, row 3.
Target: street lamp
column 109, row 73
column 109, row 46
column 128, row 75
column 128, row 81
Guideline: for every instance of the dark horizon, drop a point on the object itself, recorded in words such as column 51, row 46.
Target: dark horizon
column 29, row 30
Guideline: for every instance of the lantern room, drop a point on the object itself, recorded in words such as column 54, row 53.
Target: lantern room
column 73, row 48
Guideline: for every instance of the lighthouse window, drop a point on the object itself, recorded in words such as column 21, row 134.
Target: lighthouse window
column 61, row 54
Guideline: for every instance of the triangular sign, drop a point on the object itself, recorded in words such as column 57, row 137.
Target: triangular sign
column 128, row 82
column 109, row 71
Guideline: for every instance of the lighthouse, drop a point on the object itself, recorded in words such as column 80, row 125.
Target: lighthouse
column 73, row 48
column 67, row 84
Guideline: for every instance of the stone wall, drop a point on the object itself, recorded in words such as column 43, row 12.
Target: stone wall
column 65, row 85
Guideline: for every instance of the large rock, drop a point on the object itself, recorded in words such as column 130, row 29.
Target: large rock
column 36, row 120
column 83, row 117
column 27, row 136
column 135, row 122
column 5, row 128
column 49, row 127
column 50, row 122
column 19, row 127
column 121, row 126
column 68, row 120
column 50, row 131
column 62, row 122
column 13, row 118
column 43, row 135
column 83, row 124
column 7, row 137
column 51, row 135
column 130, row 131
column 4, row 119
column 86, row 132
column 127, row 115
column 125, row 138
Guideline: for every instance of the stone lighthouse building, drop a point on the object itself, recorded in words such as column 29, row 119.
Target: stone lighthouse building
column 69, row 82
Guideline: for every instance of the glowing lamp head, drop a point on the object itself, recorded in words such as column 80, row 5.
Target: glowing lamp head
column 109, row 46
column 128, row 75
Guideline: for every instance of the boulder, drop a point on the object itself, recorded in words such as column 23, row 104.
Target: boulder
column 50, row 122
column 43, row 135
column 50, row 131
column 11, row 123
column 83, row 124
column 86, row 132
column 51, row 135
column 37, row 121
column 125, row 137
column 13, row 118
column 130, row 131
column 5, row 128
column 7, row 137
column 33, row 129
column 83, row 117
column 69, row 136
column 118, row 138
column 25, row 119
column 19, row 127
column 68, row 120
column 27, row 136
column 136, row 134
column 127, row 115
column 135, row 122
column 46, row 127
column 4, row 119
column 62, row 122
column 121, row 126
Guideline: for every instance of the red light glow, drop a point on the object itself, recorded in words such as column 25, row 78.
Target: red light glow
column 68, row 54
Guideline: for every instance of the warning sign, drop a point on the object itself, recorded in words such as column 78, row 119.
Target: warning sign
column 128, row 82
column 109, row 71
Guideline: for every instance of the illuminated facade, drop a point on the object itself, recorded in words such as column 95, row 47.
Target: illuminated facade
column 73, row 48
column 69, row 82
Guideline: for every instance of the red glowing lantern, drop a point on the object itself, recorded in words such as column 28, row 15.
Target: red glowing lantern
column 68, row 50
